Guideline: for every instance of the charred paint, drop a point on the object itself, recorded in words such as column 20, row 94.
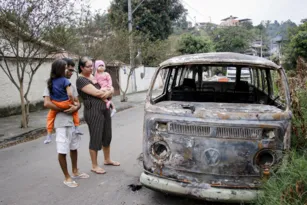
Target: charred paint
column 222, row 145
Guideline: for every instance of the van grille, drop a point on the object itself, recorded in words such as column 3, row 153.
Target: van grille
column 218, row 132
column 238, row 133
column 189, row 129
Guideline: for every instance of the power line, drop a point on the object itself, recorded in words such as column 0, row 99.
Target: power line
column 193, row 8
column 193, row 20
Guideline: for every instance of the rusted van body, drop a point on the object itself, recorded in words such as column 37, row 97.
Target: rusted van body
column 212, row 139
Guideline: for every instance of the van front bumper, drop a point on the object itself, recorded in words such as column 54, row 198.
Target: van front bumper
column 208, row 193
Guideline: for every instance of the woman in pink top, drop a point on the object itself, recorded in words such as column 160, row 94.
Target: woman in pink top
column 105, row 81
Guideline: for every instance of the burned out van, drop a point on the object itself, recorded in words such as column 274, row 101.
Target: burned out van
column 211, row 139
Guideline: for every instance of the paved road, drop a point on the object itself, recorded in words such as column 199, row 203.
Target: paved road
column 30, row 174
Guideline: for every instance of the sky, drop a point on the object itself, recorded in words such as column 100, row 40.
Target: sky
column 215, row 10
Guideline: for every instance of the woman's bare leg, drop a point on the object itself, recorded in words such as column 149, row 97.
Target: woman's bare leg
column 95, row 167
column 107, row 158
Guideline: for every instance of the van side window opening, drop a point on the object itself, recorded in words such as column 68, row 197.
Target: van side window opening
column 264, row 82
column 171, row 79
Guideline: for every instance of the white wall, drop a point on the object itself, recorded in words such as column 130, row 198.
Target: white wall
column 142, row 84
column 123, row 77
column 9, row 96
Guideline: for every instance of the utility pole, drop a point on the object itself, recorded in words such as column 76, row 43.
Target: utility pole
column 130, row 12
column 131, row 42
column 261, row 45
column 129, row 20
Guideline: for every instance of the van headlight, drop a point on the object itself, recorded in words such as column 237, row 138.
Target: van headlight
column 265, row 158
column 161, row 126
column 160, row 150
column 269, row 133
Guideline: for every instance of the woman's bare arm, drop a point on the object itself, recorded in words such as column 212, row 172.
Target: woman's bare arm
column 91, row 90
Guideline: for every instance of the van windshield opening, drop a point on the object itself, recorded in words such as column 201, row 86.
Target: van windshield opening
column 223, row 84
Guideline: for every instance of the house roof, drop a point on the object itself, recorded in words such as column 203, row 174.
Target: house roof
column 241, row 20
column 230, row 17
column 223, row 58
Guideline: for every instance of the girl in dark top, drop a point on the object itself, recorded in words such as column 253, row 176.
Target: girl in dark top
column 60, row 95
column 96, row 114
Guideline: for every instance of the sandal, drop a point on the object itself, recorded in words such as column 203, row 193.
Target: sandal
column 80, row 176
column 112, row 163
column 99, row 171
column 71, row 184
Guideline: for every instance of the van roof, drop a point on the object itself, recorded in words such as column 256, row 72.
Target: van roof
column 222, row 58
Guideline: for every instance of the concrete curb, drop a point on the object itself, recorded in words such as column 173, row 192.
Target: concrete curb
column 39, row 132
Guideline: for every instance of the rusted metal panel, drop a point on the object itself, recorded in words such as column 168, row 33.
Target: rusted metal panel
column 220, row 59
column 203, row 147
column 203, row 191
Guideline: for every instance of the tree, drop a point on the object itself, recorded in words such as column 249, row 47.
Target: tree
column 261, row 39
column 296, row 46
column 181, row 25
column 24, row 25
column 190, row 44
column 153, row 18
column 232, row 39
column 247, row 24
column 65, row 36
column 278, row 29
column 115, row 48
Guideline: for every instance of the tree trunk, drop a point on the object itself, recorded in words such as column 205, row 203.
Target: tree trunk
column 27, row 108
column 124, row 98
column 24, row 123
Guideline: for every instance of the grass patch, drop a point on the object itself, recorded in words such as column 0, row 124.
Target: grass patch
column 288, row 185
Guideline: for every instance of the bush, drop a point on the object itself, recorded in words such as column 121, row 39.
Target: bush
column 299, row 105
column 190, row 44
column 299, row 126
column 288, row 185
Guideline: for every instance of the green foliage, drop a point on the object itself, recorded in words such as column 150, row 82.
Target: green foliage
column 182, row 23
column 155, row 52
column 259, row 33
column 64, row 36
column 278, row 29
column 190, row 44
column 25, row 24
column 299, row 41
column 299, row 126
column 247, row 24
column 153, row 18
column 116, row 47
column 296, row 46
column 288, row 185
column 232, row 39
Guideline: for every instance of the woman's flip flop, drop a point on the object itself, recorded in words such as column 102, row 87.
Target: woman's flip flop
column 99, row 171
column 71, row 184
column 113, row 163
column 81, row 176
